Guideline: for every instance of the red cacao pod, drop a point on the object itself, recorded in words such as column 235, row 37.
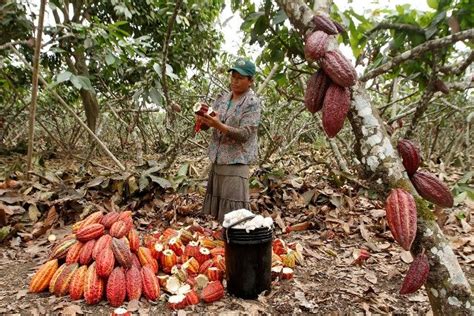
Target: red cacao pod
column 410, row 154
column 339, row 69
column 315, row 45
column 401, row 216
column 85, row 257
column 151, row 287
column 417, row 275
column 122, row 253
column 74, row 252
column 116, row 287
column 134, row 283
column 109, row 219
column 105, row 263
column 89, row 232
column 325, row 24
column 93, row 286
column 119, row 229
column 432, row 189
column 335, row 107
column 316, row 89
column 104, row 242
column 76, row 286
column 213, row 291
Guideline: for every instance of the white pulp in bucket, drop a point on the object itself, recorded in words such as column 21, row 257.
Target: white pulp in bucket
column 257, row 222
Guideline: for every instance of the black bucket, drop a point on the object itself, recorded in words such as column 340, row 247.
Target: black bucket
column 248, row 261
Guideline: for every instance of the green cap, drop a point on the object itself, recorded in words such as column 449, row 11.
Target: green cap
column 244, row 67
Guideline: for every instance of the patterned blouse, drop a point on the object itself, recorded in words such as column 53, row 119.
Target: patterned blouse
column 239, row 145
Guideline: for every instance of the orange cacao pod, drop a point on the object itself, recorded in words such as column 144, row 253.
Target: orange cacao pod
column 167, row 260
column 93, row 286
column 61, row 286
column 116, row 287
column 90, row 232
column 192, row 298
column 85, row 257
column 339, row 69
column 315, row 91
column 61, row 249
column 213, row 291
column 76, row 286
column 119, row 229
column 134, row 283
column 74, row 253
column 410, row 154
column 417, row 275
column 134, row 240
column 176, row 245
column 56, row 274
column 315, row 45
column 325, row 24
column 105, row 263
column 432, row 189
column 335, row 107
column 43, row 276
column 102, row 243
column 122, row 253
column 151, row 288
column 145, row 257
column 401, row 217
column 109, row 219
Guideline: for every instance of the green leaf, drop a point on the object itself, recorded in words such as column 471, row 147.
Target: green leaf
column 162, row 182
column 76, row 82
column 433, row 4
column 85, row 83
column 170, row 73
column 88, row 43
column 280, row 17
column 155, row 96
column 109, row 59
column 64, row 76
column 157, row 69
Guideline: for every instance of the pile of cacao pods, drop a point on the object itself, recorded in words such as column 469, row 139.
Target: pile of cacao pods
column 105, row 257
column 402, row 213
column 328, row 88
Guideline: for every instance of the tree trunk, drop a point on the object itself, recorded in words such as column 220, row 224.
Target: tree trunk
column 447, row 287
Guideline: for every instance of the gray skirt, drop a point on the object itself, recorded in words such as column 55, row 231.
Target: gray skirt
column 227, row 190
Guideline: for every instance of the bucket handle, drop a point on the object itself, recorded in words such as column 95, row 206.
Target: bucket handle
column 236, row 223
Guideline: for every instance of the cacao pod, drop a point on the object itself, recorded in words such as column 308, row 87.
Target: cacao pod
column 93, row 286
column 74, row 252
column 76, row 286
column 325, row 24
column 315, row 45
column 439, row 85
column 340, row 28
column 105, row 263
column 401, row 217
column 109, row 219
column 151, row 288
column 102, row 243
column 145, row 257
column 61, row 286
column 122, row 253
column 213, row 291
column 134, row 283
column 85, row 256
column 134, row 240
column 61, row 249
column 410, row 154
column 336, row 104
column 417, row 275
column 116, row 287
column 315, row 91
column 43, row 276
column 119, row 229
column 90, row 232
column 432, row 189
column 56, row 274
column 339, row 69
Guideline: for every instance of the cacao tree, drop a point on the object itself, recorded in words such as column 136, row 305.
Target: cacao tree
column 448, row 289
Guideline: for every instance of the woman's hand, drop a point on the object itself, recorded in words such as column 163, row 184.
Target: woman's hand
column 213, row 121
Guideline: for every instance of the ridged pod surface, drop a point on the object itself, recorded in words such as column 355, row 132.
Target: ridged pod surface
column 102, row 243
column 74, row 252
column 85, row 256
column 89, row 232
column 109, row 219
column 410, row 154
column 105, row 263
column 122, row 253
column 93, row 286
column 316, row 89
column 43, row 276
column 56, row 274
column 145, row 257
column 116, row 287
column 339, row 69
column 134, row 283
column 213, row 291
column 151, row 287
column 76, row 286
column 432, row 189
column 401, row 217
column 119, row 229
column 325, row 24
column 134, row 240
column 61, row 249
column 417, row 275
column 61, row 286
column 336, row 104
column 315, row 45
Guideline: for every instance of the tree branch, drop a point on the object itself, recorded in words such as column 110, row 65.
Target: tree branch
column 396, row 26
column 418, row 51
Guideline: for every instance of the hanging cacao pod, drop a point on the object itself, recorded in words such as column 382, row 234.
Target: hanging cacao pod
column 316, row 90
column 335, row 107
column 401, row 217
column 410, row 154
column 417, row 275
column 432, row 189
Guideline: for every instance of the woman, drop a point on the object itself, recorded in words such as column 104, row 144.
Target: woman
column 233, row 144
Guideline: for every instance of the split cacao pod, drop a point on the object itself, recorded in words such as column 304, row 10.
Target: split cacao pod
column 93, row 286
column 43, row 276
column 151, row 287
column 90, row 232
column 315, row 45
column 325, row 24
column 417, row 275
column 410, row 154
column 134, row 283
column 339, row 68
column 432, row 189
column 122, row 253
column 116, row 287
column 336, row 104
column 316, row 90
column 76, row 286
column 401, row 217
